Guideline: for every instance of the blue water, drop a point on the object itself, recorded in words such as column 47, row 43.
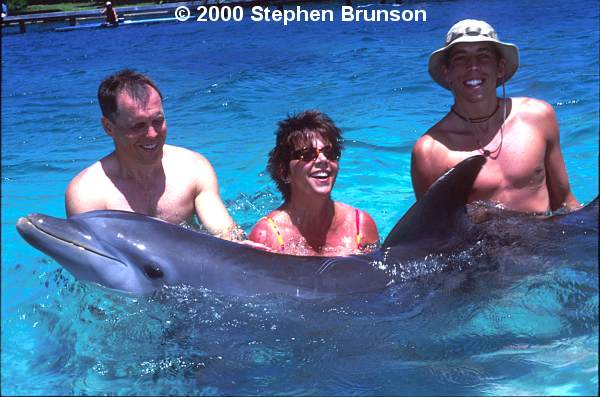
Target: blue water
column 226, row 85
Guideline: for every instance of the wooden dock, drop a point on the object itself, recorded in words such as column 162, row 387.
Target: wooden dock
column 73, row 17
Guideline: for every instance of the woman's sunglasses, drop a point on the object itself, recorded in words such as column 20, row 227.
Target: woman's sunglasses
column 312, row 153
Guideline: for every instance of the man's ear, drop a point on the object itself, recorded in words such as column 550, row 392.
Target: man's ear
column 446, row 75
column 107, row 125
column 501, row 70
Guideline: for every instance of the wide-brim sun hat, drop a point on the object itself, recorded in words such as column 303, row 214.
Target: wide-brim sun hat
column 472, row 31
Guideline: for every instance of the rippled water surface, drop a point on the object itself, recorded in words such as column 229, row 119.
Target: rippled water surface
column 525, row 323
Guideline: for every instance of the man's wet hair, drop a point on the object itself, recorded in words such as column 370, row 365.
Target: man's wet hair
column 297, row 132
column 133, row 83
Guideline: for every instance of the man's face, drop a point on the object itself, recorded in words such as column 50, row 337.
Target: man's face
column 138, row 129
column 473, row 70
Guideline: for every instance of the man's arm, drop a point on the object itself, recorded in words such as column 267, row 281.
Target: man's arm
column 210, row 208
column 422, row 170
column 80, row 195
column 557, row 180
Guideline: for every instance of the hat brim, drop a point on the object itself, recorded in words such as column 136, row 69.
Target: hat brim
column 509, row 52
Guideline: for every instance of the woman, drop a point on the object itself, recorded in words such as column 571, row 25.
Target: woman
column 304, row 164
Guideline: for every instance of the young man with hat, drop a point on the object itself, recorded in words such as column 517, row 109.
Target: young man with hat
column 525, row 170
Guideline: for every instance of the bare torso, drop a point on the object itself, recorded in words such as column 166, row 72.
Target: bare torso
column 170, row 198
column 515, row 172
column 167, row 193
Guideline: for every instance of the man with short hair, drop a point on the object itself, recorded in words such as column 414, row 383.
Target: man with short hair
column 143, row 174
column 525, row 170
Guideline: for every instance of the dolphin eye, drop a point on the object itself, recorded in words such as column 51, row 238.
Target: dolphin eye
column 153, row 271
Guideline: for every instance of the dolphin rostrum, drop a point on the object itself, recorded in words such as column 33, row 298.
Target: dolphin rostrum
column 135, row 253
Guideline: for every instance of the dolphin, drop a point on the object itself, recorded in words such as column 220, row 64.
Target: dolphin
column 138, row 254
column 135, row 253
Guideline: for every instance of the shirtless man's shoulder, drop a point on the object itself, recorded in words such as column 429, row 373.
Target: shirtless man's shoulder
column 431, row 155
column 539, row 114
column 532, row 105
column 184, row 157
column 181, row 163
column 86, row 190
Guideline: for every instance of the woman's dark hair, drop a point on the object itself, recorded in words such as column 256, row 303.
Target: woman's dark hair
column 297, row 132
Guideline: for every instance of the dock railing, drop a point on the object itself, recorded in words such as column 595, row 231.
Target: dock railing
column 73, row 17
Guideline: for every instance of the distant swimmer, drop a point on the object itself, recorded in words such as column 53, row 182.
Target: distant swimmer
column 112, row 18
column 525, row 170
column 304, row 164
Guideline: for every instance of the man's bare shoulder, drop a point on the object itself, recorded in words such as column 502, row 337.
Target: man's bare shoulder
column 87, row 190
column 539, row 115
column 190, row 169
column 425, row 143
column 532, row 107
column 90, row 177
column 431, row 141
column 182, row 157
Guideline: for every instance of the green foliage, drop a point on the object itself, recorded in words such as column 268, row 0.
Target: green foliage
column 15, row 5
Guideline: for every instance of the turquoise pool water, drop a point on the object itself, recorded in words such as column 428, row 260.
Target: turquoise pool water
column 226, row 85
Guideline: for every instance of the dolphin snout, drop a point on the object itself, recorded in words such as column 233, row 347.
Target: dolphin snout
column 23, row 223
column 27, row 228
column 36, row 221
column 29, row 220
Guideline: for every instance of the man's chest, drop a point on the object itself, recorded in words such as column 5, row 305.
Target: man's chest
column 516, row 160
column 170, row 202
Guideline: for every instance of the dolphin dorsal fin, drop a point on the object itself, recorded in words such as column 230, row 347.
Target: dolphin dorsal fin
column 441, row 210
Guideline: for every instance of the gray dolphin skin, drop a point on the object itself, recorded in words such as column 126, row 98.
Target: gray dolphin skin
column 138, row 254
